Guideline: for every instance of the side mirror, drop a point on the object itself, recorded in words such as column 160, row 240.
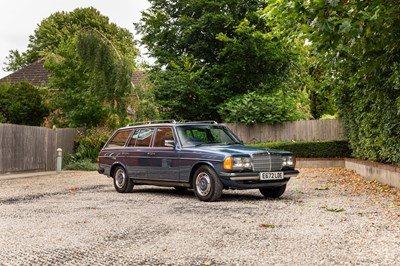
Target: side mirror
column 169, row 143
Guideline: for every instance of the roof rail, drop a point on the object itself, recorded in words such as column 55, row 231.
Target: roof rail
column 204, row 122
column 151, row 122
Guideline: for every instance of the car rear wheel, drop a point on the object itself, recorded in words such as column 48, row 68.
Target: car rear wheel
column 273, row 192
column 122, row 183
column 206, row 184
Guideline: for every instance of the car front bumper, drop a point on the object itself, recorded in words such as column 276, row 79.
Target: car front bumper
column 249, row 180
column 253, row 176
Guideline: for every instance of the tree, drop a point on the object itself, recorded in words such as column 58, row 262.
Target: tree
column 110, row 73
column 76, row 44
column 61, row 27
column 270, row 108
column 16, row 61
column 189, row 27
column 22, row 104
column 208, row 52
column 356, row 42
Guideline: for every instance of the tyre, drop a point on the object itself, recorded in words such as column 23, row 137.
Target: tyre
column 122, row 183
column 206, row 184
column 273, row 192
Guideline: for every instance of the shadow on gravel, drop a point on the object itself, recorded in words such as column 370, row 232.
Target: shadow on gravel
column 165, row 192
column 38, row 196
column 226, row 196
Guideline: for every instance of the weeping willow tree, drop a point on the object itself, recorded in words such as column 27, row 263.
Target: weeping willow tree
column 91, row 61
column 109, row 73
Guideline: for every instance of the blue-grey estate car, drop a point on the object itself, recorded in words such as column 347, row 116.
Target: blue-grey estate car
column 204, row 156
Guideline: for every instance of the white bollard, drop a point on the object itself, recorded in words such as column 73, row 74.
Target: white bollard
column 59, row 160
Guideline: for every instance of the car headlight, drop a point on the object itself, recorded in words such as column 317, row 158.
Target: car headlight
column 237, row 163
column 288, row 161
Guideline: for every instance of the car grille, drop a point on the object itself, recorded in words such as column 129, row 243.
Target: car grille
column 265, row 162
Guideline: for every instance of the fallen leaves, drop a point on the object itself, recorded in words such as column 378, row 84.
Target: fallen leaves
column 335, row 209
column 352, row 182
column 332, row 209
column 267, row 225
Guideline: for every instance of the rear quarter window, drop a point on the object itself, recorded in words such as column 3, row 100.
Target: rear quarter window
column 119, row 139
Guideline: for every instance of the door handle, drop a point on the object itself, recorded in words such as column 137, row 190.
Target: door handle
column 151, row 153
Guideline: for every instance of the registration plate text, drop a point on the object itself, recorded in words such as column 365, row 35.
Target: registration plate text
column 271, row 175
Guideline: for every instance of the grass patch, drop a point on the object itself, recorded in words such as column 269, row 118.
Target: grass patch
column 310, row 149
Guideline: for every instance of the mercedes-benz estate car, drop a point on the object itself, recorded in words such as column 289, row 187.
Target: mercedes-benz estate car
column 204, row 156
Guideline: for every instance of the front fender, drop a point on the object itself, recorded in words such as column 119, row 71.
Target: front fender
column 200, row 163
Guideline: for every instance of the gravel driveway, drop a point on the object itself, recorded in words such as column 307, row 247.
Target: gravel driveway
column 326, row 217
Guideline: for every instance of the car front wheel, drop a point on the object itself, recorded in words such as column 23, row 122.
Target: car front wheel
column 273, row 192
column 122, row 183
column 206, row 184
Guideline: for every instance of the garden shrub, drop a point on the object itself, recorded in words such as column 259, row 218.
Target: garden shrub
column 87, row 148
column 70, row 162
column 269, row 108
column 89, row 143
column 22, row 104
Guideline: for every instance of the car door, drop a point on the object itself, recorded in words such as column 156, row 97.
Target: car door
column 138, row 153
column 163, row 157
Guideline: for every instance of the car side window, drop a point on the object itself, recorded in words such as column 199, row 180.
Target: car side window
column 142, row 137
column 162, row 135
column 119, row 139
column 132, row 141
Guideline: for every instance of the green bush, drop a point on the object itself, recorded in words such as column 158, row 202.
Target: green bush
column 87, row 148
column 70, row 162
column 311, row 149
column 89, row 143
column 269, row 108
column 22, row 104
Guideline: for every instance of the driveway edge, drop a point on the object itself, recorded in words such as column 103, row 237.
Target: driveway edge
column 384, row 173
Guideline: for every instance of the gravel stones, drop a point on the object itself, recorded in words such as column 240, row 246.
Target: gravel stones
column 77, row 218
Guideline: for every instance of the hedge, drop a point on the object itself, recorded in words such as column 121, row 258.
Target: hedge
column 311, row 149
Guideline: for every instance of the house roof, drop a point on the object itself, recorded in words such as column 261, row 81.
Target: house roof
column 35, row 73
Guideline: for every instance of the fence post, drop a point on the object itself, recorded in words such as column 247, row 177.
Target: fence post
column 59, row 160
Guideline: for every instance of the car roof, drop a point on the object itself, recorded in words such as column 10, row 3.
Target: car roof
column 159, row 123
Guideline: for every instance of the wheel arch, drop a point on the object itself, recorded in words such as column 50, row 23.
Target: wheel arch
column 197, row 166
column 115, row 165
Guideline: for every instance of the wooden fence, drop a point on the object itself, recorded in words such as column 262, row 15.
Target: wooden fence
column 26, row 148
column 307, row 130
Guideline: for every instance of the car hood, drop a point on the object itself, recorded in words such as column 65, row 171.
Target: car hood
column 237, row 149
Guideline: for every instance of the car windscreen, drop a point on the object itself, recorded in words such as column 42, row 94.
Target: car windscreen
column 195, row 135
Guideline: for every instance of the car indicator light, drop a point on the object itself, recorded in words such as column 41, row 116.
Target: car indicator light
column 228, row 163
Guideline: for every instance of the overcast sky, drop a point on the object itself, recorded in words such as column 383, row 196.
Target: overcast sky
column 19, row 18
